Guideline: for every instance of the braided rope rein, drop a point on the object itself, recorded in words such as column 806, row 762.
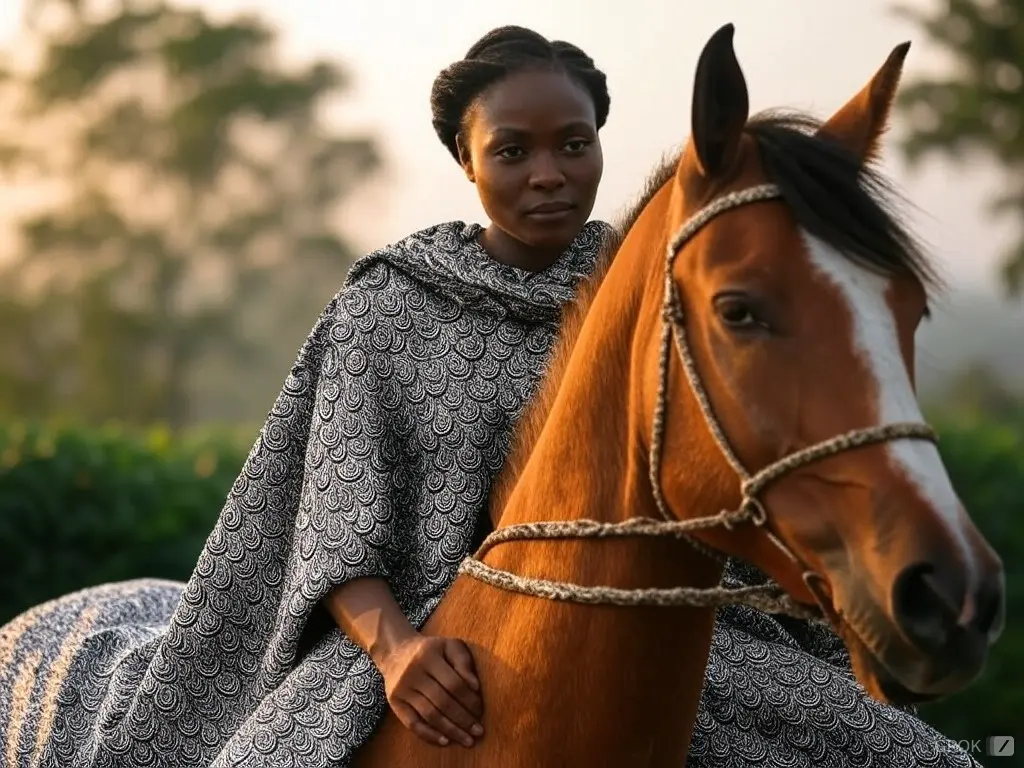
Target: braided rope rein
column 769, row 598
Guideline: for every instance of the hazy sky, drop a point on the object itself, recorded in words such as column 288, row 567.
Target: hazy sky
column 808, row 54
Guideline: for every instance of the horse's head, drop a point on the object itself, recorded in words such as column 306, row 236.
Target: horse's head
column 798, row 313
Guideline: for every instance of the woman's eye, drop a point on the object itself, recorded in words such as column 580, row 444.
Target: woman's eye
column 576, row 145
column 510, row 153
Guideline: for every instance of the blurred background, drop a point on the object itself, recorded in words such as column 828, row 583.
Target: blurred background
column 186, row 183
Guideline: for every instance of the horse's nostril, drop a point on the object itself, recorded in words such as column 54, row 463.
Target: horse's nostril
column 989, row 605
column 924, row 608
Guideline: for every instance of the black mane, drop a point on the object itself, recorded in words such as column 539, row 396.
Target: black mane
column 836, row 197
column 831, row 193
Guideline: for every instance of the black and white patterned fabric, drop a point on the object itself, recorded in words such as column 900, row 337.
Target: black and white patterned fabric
column 376, row 460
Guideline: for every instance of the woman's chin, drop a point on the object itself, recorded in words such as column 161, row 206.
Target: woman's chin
column 555, row 235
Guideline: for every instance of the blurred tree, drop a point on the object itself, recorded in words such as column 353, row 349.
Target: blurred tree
column 977, row 109
column 189, row 182
column 978, row 390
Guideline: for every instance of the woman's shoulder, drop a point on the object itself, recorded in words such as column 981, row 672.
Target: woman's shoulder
column 390, row 262
column 385, row 269
column 444, row 237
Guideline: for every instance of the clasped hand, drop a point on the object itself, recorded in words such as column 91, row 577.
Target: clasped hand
column 433, row 689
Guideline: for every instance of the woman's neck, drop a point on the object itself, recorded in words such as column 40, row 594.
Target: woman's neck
column 507, row 250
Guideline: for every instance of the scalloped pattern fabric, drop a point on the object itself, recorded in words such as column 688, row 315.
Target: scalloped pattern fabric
column 376, row 460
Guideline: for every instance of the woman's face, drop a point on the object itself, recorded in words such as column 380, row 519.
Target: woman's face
column 531, row 148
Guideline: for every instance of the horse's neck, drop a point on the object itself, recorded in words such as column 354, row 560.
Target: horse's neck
column 589, row 463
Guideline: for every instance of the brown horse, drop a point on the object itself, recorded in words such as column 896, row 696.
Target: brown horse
column 760, row 312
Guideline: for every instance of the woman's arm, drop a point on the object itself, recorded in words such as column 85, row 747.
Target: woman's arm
column 430, row 681
column 367, row 613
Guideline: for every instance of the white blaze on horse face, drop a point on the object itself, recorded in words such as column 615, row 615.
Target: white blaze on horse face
column 876, row 343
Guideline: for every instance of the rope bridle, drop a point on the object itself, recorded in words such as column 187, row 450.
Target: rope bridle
column 768, row 597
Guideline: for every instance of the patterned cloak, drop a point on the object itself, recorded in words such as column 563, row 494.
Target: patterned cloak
column 376, row 460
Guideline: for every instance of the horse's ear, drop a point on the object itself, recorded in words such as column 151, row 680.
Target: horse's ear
column 720, row 105
column 860, row 123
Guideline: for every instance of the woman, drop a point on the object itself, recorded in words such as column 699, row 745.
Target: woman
column 367, row 487
column 529, row 143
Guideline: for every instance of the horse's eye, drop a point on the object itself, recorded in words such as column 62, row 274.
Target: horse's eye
column 739, row 313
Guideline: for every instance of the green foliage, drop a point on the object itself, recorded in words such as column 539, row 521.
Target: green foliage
column 84, row 506
column 985, row 458
column 200, row 189
column 977, row 108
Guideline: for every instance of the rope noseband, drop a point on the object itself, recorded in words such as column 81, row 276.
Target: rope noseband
column 769, row 597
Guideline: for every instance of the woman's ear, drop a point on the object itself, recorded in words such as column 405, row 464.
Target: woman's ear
column 465, row 160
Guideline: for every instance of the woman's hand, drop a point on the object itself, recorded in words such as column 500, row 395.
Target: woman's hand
column 433, row 689
column 431, row 682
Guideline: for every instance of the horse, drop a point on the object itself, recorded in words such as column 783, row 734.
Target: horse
column 759, row 312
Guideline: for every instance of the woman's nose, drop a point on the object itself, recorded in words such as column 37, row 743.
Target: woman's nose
column 545, row 172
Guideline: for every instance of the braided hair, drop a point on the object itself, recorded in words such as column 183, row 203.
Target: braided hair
column 499, row 53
